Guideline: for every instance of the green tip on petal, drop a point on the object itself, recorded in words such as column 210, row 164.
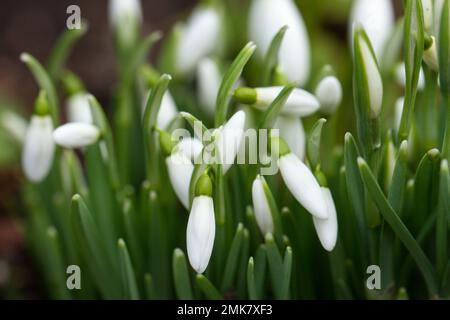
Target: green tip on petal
column 72, row 83
column 245, row 95
column 204, row 186
column 41, row 106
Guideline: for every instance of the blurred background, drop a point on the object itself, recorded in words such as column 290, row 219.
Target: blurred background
column 33, row 26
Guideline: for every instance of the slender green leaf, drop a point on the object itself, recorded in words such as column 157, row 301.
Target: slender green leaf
column 271, row 58
column 208, row 288
column 442, row 219
column 251, row 286
column 229, row 79
column 232, row 259
column 313, row 146
column 272, row 112
column 181, row 276
column 130, row 289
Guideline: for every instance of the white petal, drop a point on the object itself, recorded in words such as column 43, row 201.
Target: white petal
column 329, row 94
column 180, row 169
column 200, row 233
column 400, row 75
column 291, row 130
column 76, row 135
column 199, row 38
column 398, row 112
column 430, row 56
column 427, row 6
column 229, row 140
column 266, row 18
column 190, row 147
column 261, row 206
column 327, row 229
column 377, row 18
column 167, row 112
column 303, row 185
column 78, row 108
column 373, row 79
column 38, row 149
column 300, row 103
column 438, row 8
column 120, row 9
column 208, row 84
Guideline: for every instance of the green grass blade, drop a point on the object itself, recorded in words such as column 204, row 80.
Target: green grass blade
column 129, row 285
column 232, row 259
column 442, row 219
column 181, row 276
column 313, row 144
column 229, row 79
column 398, row 227
column 272, row 112
column 271, row 58
column 208, row 288
column 287, row 268
column 251, row 286
column 275, row 266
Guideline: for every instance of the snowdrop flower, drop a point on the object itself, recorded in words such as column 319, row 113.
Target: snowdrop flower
column 199, row 38
column 39, row 148
column 179, row 164
column 229, row 139
column 327, row 229
column 201, row 226
column 371, row 75
column 377, row 18
column 400, row 75
column 261, row 206
column 430, row 56
column 266, row 18
column 209, row 79
column 299, row 180
column 76, row 135
column 78, row 108
column 329, row 94
column 292, row 131
column 300, row 103
column 124, row 11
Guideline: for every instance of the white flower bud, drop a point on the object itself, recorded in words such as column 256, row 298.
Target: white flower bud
column 428, row 23
column 208, row 84
column 229, row 140
column 329, row 94
column 292, row 131
column 199, row 38
column 300, row 103
column 327, row 229
column 14, row 124
column 124, row 10
column 200, row 233
column 398, row 112
column 377, row 18
column 303, row 185
column 372, row 75
column 266, row 18
column 180, row 169
column 76, row 135
column 78, row 108
column 38, row 149
column 400, row 75
column 261, row 206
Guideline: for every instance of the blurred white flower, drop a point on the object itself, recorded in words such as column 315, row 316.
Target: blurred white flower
column 208, row 84
column 76, row 135
column 261, row 206
column 400, row 76
column 377, row 18
column 266, row 18
column 371, row 74
column 329, row 94
column 78, row 108
column 327, row 229
column 292, row 131
column 229, row 139
column 300, row 103
column 121, row 11
column 199, row 37
column 38, row 149
column 190, row 147
column 200, row 232
column 303, row 185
